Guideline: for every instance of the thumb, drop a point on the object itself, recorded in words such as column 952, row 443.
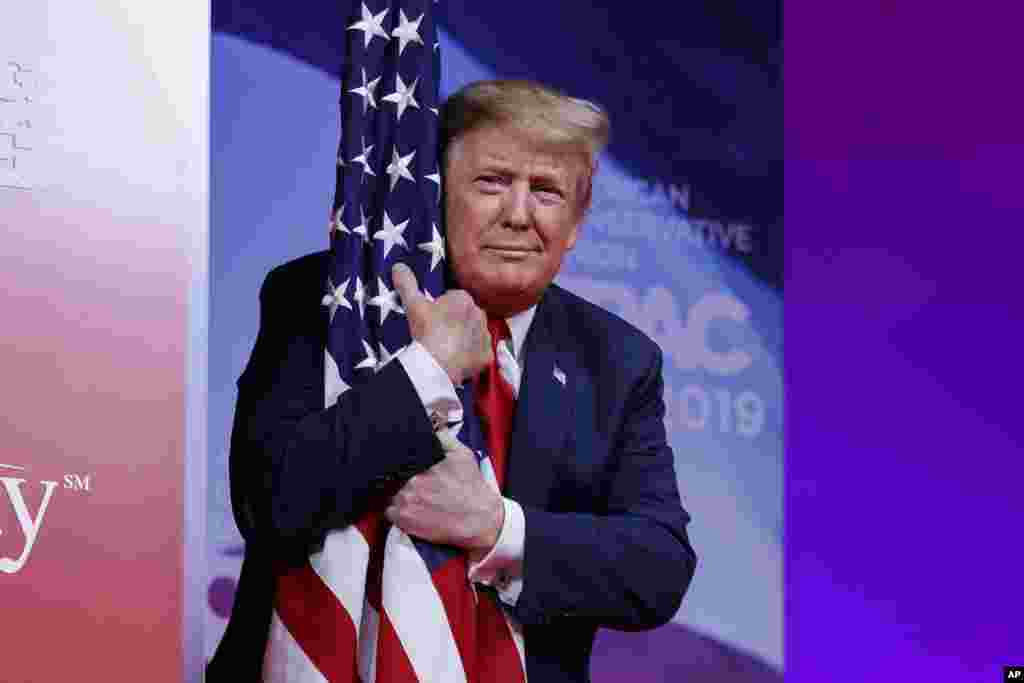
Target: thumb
column 408, row 290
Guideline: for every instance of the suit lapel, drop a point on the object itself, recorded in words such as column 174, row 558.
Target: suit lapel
column 323, row 323
column 543, row 410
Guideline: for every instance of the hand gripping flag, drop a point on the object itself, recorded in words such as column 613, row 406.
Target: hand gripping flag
column 375, row 605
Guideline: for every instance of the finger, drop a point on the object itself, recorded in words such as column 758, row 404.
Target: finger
column 405, row 284
column 463, row 459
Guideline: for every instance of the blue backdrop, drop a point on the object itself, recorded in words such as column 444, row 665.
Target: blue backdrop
column 684, row 240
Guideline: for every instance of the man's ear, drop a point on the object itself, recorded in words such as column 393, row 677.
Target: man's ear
column 587, row 192
column 583, row 208
column 574, row 235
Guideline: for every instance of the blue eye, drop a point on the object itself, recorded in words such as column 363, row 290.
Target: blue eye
column 549, row 195
column 490, row 183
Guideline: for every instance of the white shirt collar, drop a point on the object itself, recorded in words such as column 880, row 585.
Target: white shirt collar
column 519, row 325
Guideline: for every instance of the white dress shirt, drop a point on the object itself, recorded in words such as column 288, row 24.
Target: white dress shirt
column 502, row 567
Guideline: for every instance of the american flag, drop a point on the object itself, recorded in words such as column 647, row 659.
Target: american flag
column 376, row 605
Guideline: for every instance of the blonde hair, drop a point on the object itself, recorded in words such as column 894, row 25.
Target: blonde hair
column 542, row 113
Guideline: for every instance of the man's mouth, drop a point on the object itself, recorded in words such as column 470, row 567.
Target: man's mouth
column 509, row 253
column 510, row 248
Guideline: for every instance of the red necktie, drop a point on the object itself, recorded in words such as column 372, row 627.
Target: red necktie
column 495, row 403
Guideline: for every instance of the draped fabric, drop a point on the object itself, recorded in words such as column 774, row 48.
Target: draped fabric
column 376, row 605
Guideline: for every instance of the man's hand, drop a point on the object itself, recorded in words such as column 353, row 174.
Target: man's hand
column 453, row 329
column 451, row 504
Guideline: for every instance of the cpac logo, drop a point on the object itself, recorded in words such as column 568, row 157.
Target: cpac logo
column 694, row 347
column 656, row 312
column 30, row 525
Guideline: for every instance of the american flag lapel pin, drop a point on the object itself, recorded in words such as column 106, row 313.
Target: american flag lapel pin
column 559, row 375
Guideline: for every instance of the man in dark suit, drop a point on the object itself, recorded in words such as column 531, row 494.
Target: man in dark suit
column 589, row 531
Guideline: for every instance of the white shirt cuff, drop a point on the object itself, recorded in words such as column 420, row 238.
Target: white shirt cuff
column 502, row 568
column 432, row 383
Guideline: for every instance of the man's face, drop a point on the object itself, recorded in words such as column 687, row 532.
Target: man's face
column 512, row 210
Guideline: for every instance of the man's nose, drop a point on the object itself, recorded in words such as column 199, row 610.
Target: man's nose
column 516, row 211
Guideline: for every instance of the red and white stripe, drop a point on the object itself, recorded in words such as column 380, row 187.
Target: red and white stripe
column 413, row 626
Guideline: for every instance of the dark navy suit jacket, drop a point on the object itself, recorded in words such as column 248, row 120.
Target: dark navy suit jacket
column 605, row 544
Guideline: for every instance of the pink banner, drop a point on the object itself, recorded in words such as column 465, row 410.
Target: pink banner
column 103, row 202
